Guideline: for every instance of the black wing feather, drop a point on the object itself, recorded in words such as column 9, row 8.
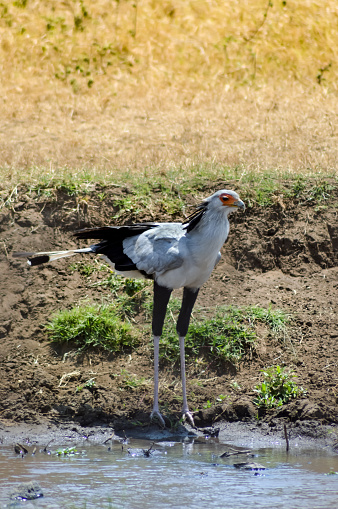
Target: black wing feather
column 114, row 252
column 111, row 244
column 112, row 238
column 114, row 233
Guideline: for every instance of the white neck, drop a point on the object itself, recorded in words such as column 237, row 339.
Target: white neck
column 209, row 235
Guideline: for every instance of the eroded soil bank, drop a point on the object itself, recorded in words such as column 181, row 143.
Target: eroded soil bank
column 282, row 255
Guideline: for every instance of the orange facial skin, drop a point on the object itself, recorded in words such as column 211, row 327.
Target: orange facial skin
column 228, row 200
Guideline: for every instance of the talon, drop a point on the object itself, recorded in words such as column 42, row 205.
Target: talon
column 155, row 414
column 188, row 416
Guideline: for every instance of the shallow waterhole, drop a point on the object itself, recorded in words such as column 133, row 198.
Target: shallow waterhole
column 176, row 474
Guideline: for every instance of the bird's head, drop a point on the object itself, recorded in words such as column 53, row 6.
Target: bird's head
column 224, row 198
column 221, row 203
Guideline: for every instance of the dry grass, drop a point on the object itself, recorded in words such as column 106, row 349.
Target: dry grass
column 132, row 85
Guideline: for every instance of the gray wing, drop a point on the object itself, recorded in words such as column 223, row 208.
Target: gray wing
column 159, row 249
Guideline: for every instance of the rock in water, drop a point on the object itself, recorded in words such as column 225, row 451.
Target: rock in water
column 27, row 491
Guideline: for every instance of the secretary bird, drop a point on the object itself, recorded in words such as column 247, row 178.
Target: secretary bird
column 174, row 255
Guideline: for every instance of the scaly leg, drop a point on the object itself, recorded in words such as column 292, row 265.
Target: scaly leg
column 189, row 299
column 185, row 410
column 156, row 411
column 161, row 299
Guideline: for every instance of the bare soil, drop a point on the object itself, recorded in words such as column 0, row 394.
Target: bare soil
column 283, row 255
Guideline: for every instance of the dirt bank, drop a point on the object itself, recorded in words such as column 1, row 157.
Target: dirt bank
column 282, row 255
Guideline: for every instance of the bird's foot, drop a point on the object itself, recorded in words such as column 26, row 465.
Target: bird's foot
column 187, row 416
column 156, row 414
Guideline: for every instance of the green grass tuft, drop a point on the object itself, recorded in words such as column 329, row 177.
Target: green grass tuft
column 229, row 336
column 92, row 326
column 276, row 319
column 169, row 194
column 319, row 191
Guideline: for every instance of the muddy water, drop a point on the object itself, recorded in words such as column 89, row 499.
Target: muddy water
column 188, row 474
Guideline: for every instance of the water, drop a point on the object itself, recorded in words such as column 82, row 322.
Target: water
column 178, row 474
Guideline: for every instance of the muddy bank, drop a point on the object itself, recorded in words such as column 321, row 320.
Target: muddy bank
column 254, row 435
column 282, row 255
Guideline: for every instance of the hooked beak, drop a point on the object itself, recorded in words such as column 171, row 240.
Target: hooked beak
column 240, row 204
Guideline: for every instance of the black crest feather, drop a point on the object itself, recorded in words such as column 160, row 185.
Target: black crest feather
column 192, row 221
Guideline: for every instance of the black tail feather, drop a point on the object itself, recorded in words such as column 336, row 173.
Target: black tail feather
column 23, row 254
column 114, row 233
column 38, row 260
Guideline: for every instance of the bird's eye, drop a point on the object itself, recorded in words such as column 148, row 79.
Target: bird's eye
column 224, row 197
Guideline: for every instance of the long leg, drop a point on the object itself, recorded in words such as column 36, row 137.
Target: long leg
column 189, row 299
column 161, row 299
column 156, row 410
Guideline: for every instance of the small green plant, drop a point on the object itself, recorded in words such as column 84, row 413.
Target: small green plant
column 218, row 399
column 118, row 284
column 320, row 76
column 127, row 205
column 298, row 187
column 235, row 385
column 131, row 381
column 66, row 452
column 92, row 326
column 90, row 385
column 131, row 295
column 101, row 196
column 277, row 388
column 321, row 191
column 86, row 269
column 130, row 287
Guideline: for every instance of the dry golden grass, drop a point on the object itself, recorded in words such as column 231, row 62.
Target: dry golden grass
column 127, row 85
